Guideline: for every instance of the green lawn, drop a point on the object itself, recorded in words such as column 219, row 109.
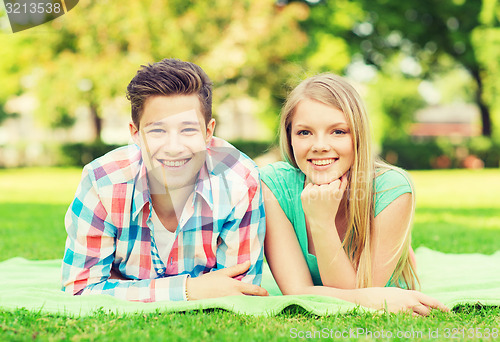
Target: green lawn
column 457, row 211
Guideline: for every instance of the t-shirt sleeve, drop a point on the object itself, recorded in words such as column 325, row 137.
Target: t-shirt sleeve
column 390, row 185
column 280, row 179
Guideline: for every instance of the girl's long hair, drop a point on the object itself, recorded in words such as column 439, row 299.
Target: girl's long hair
column 335, row 91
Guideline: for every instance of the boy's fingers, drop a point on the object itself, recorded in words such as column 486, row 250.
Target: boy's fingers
column 235, row 270
column 253, row 290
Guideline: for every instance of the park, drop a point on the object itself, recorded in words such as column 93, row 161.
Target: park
column 427, row 71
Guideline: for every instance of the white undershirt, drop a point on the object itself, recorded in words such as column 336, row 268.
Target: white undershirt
column 164, row 238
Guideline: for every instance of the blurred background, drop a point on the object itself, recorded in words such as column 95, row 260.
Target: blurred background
column 429, row 71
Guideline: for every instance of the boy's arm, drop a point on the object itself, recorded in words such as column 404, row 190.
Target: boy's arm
column 90, row 250
column 242, row 237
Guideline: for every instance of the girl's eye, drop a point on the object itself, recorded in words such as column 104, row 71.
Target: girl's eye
column 303, row 132
column 339, row 132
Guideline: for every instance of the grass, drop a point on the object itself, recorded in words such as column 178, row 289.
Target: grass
column 457, row 211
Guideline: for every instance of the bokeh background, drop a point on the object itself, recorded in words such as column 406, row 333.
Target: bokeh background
column 429, row 71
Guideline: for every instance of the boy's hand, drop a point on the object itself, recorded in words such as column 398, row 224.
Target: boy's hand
column 221, row 283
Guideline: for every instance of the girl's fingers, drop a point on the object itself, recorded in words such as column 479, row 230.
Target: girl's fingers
column 432, row 303
column 421, row 309
column 343, row 184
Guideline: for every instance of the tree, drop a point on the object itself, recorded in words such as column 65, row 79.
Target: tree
column 428, row 29
column 88, row 56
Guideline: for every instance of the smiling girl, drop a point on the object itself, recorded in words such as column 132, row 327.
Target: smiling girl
column 338, row 220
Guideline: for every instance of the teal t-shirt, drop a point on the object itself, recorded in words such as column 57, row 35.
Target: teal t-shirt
column 287, row 182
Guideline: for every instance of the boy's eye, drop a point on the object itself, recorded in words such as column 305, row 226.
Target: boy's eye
column 189, row 130
column 157, row 131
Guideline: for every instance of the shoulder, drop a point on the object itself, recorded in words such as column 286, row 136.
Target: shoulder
column 390, row 183
column 280, row 172
column 118, row 166
column 286, row 183
column 225, row 160
column 388, row 178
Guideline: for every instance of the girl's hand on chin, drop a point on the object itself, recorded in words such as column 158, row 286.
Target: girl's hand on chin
column 321, row 202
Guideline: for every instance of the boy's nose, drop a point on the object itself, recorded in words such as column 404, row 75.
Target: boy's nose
column 173, row 144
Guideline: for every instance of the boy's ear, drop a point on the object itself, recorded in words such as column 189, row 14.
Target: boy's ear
column 134, row 133
column 210, row 130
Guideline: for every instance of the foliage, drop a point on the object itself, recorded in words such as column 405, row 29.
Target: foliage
column 487, row 42
column 88, row 57
column 327, row 27
column 394, row 99
column 252, row 149
column 428, row 30
column 413, row 154
column 80, row 154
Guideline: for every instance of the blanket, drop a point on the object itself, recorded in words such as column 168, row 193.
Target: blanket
column 452, row 278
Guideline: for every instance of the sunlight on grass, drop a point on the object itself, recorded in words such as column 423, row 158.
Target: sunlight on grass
column 39, row 185
column 458, row 188
column 457, row 212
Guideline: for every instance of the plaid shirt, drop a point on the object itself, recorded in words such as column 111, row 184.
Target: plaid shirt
column 109, row 226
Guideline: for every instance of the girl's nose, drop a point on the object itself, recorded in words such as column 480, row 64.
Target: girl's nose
column 320, row 145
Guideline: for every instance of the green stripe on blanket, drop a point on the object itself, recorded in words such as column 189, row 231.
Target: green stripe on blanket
column 452, row 278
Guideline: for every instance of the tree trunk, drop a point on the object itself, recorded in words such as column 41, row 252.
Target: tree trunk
column 97, row 121
column 483, row 107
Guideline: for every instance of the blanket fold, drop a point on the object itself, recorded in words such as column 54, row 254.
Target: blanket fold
column 452, row 278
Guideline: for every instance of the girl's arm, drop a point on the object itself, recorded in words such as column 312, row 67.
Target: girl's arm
column 292, row 275
column 321, row 204
column 389, row 231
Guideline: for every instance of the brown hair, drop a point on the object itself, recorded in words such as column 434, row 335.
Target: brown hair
column 169, row 77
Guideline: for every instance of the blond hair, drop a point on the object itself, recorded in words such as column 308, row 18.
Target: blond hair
column 335, row 91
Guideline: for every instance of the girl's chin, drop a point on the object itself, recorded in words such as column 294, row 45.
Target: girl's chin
column 320, row 178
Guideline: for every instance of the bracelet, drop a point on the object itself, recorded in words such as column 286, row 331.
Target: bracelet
column 187, row 297
column 186, row 289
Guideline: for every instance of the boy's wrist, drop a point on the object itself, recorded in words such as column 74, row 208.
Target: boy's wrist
column 186, row 294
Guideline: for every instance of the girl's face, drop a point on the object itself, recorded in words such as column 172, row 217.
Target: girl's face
column 321, row 141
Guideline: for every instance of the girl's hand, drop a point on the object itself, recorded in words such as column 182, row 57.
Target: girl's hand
column 394, row 299
column 321, row 202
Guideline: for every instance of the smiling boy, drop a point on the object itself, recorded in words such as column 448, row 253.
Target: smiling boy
column 178, row 215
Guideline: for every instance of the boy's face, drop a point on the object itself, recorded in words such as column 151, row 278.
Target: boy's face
column 173, row 138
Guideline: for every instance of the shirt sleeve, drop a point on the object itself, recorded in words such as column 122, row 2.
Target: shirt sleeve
column 389, row 185
column 90, row 249
column 242, row 235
